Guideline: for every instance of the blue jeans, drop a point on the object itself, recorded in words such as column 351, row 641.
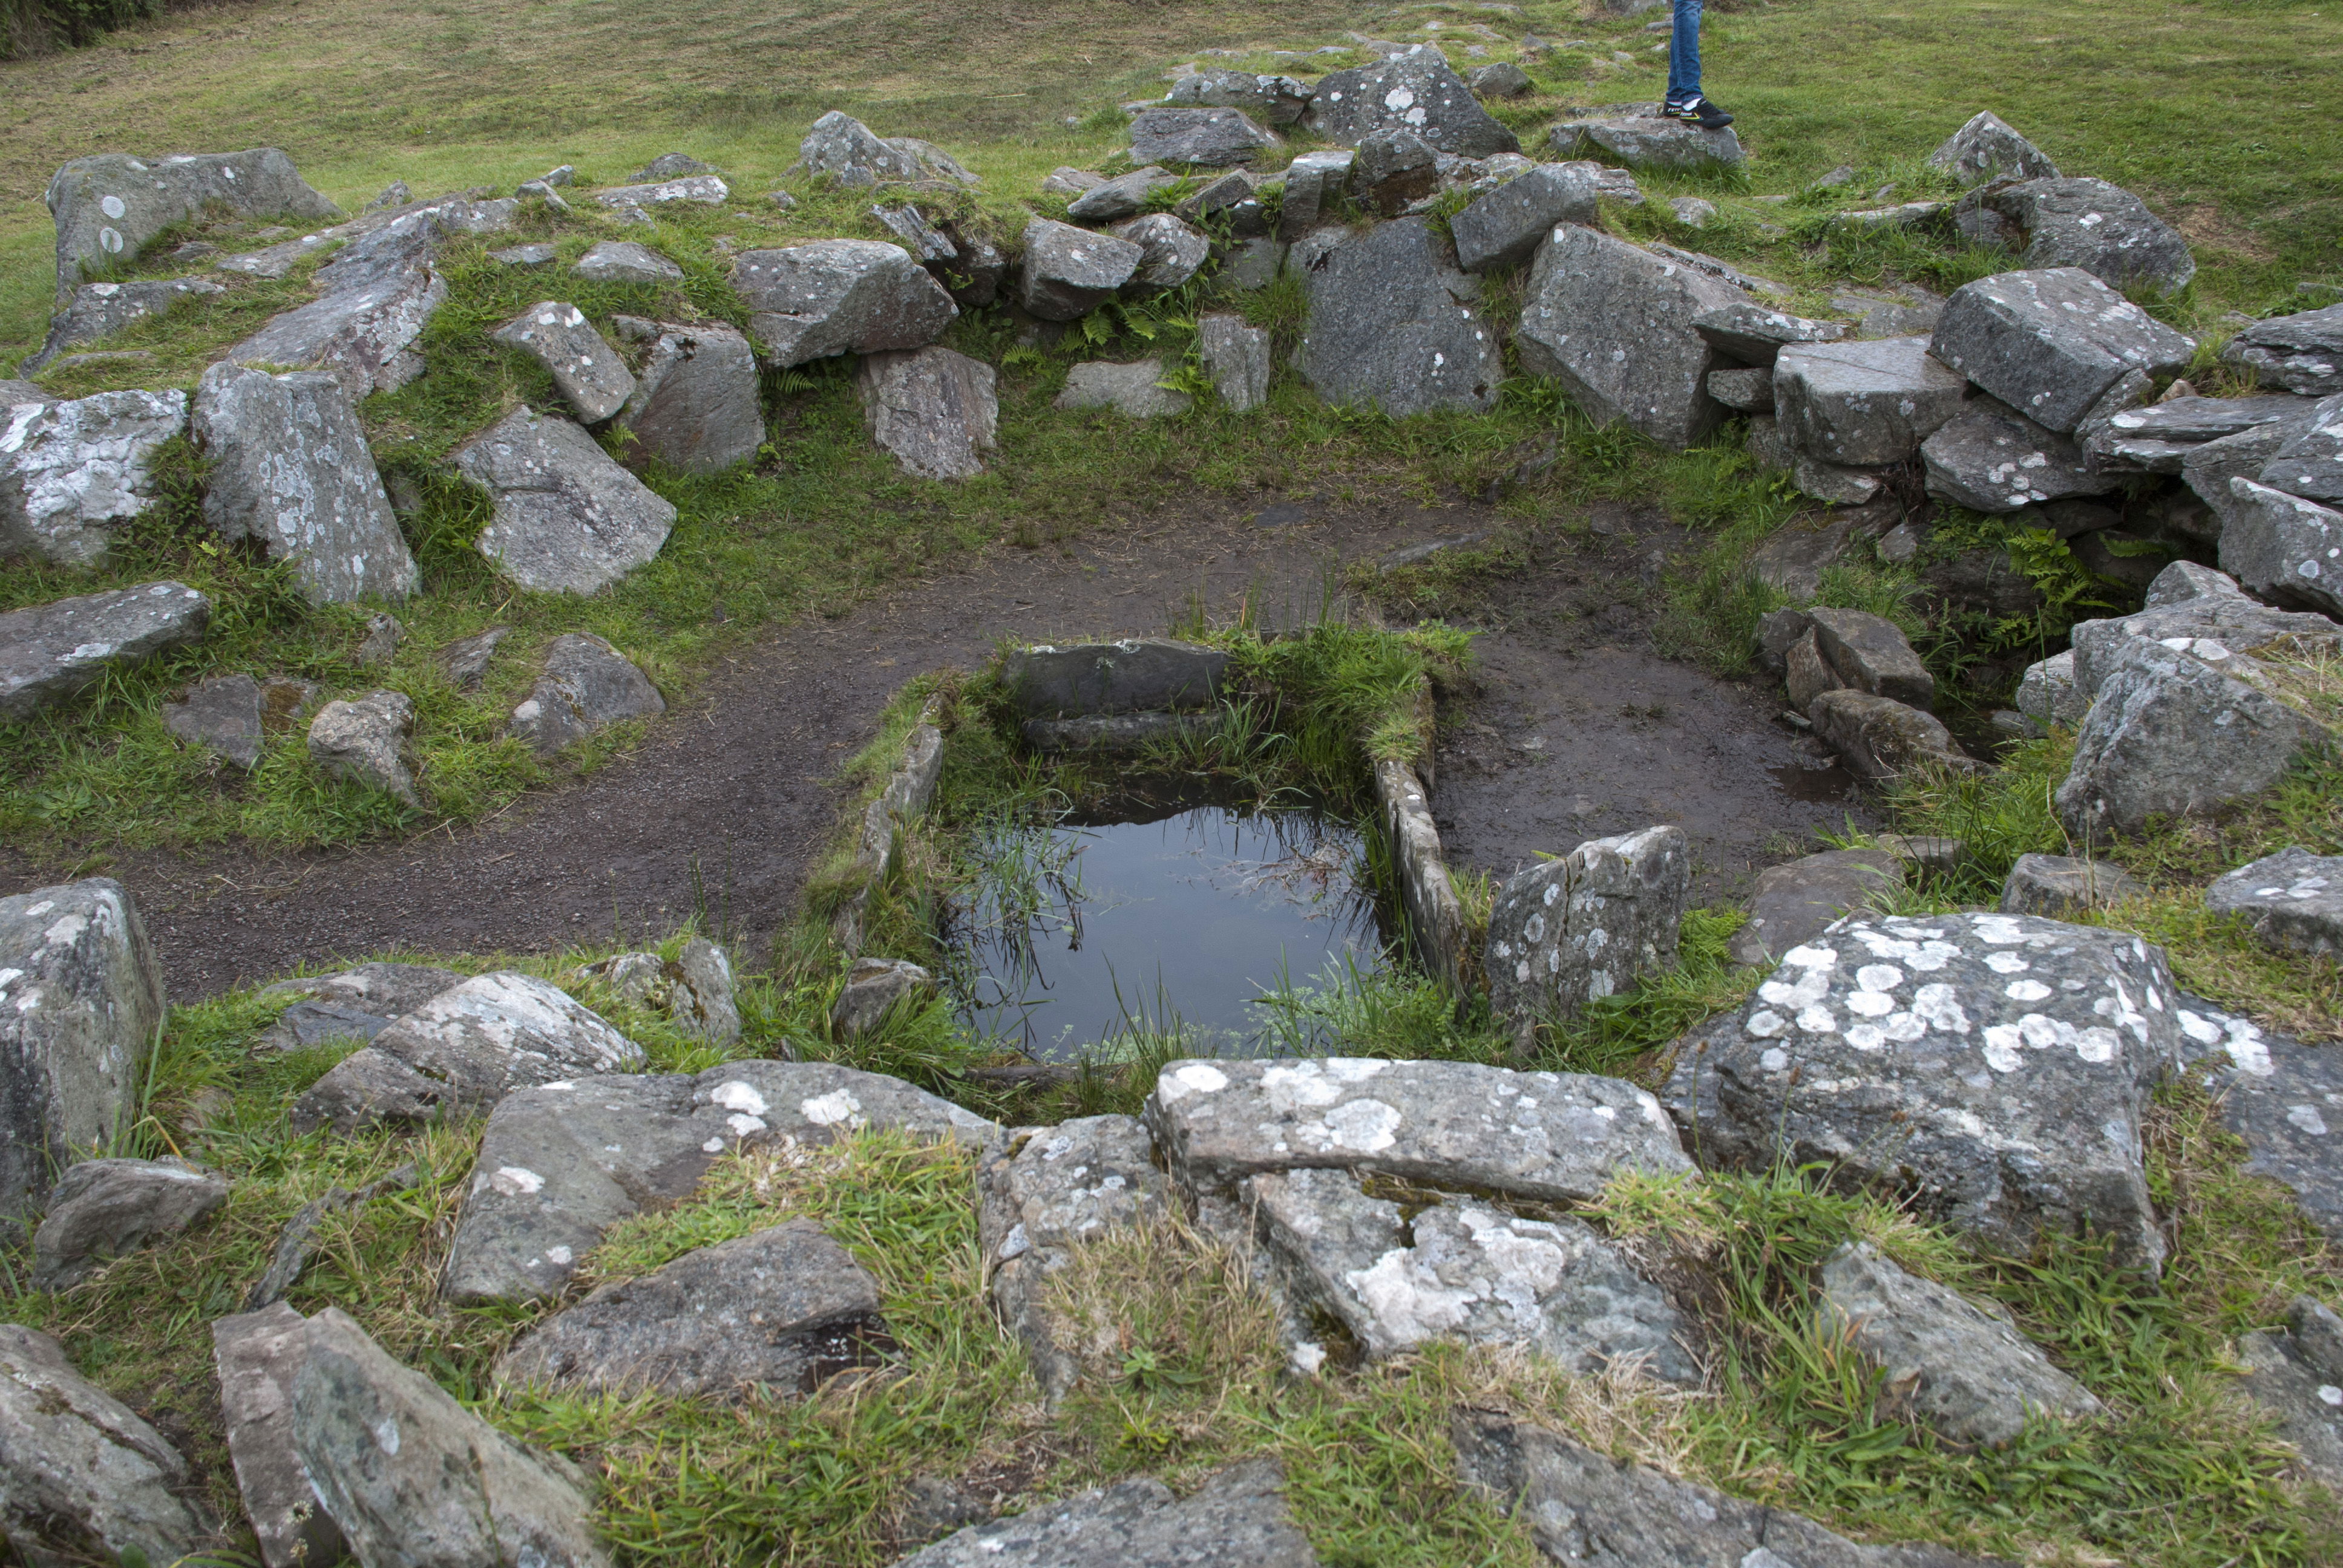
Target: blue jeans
column 1683, row 54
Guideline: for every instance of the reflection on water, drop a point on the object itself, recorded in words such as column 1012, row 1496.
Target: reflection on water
column 1079, row 927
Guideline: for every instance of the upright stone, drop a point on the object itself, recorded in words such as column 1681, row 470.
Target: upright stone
column 1313, row 185
column 79, row 1011
column 1613, row 323
column 1236, row 356
column 2283, row 548
column 256, row 1354
column 591, row 377
column 1566, row 932
column 933, row 410
column 569, row 520
column 695, row 406
column 1391, row 325
column 292, row 471
column 1068, row 271
column 1504, row 228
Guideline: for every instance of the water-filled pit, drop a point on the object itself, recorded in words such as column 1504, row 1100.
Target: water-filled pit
column 1156, row 908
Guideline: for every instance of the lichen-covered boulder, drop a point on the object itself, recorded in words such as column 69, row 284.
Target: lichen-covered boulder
column 694, row 406
column 1202, row 137
column 2302, row 353
column 1569, row 931
column 109, row 207
column 1067, row 272
column 2101, row 229
column 1985, row 148
column 72, row 471
column 2055, row 344
column 77, row 1469
column 591, row 377
column 1989, row 458
column 2293, row 899
column 2284, row 548
column 1414, row 91
column 568, row 518
column 1504, row 228
column 1865, row 403
column 933, row 410
column 79, row 1011
column 363, row 742
column 586, row 685
column 1640, row 137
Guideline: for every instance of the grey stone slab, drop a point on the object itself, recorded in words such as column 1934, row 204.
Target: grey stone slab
column 1391, row 325
column 1865, row 403
column 2283, row 548
column 1757, row 334
column 1205, row 138
column 1278, row 99
column 1133, row 389
column 586, row 685
column 72, row 472
column 1870, row 653
column 1237, row 1519
column 364, row 742
column 1236, row 358
column 694, row 406
column 778, row 1310
column 387, row 989
column 1171, row 252
column 256, row 1354
column 1585, row 1508
column 1504, row 227
column 1989, row 458
column 99, row 310
column 107, row 208
column 1566, row 932
column 568, row 518
column 1314, row 182
column 223, row 715
column 311, row 1023
column 2237, row 624
column 76, row 1467
column 1414, row 91
column 362, row 335
column 2293, row 899
column 1462, row 1269
column 292, row 471
column 851, row 155
column 2304, row 1395
column 839, row 297
column 2208, row 469
column 2310, row 464
column 2184, row 581
column 1123, row 195
column 1068, row 271
column 2301, row 353
column 103, row 1209
column 1638, row 136
column 1135, row 675
column 700, row 190
column 79, row 1011
column 933, row 410
column 2101, row 229
column 874, row 988
column 1750, row 390
column 2282, row 1098
column 1790, row 905
column 1393, row 168
column 1963, row 1369
column 562, row 1162
column 2053, row 343
column 1986, row 147
column 2061, row 885
column 592, row 378
column 1556, row 1137
column 450, row 1489
column 625, row 261
column 1880, row 739
column 1115, row 732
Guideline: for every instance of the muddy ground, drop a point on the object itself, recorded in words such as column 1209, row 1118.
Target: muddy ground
column 1572, row 727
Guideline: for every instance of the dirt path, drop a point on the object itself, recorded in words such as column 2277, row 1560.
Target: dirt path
column 738, row 781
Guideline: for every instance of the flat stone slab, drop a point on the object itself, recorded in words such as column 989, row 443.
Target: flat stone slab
column 568, row 518
column 1131, row 391
column 561, row 1162
column 1638, row 136
column 625, row 261
column 465, row 1050
column 779, row 1308
column 1881, row 739
column 1994, row 1068
column 2061, row 885
column 1864, row 403
column 703, row 190
column 1553, row 1137
column 1870, row 653
column 102, row 1209
column 100, row 310
column 1138, row 674
column 1391, row 323
column 2282, row 1098
column 1758, row 333
column 1963, row 1369
column 591, row 377
column 74, row 471
column 2293, row 899
column 2301, row 353
column 362, row 335
column 1793, row 904
column 2053, row 343
column 51, row 652
column 1237, row 1519
column 1989, row 458
column 1109, row 201
column 2283, row 548
column 256, row 1354
column 2101, row 229
column 1399, row 1280
column 385, row 989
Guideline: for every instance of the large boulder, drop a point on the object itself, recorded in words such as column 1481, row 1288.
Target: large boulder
column 1397, row 1280
column 2101, row 229
column 2301, row 353
column 1862, row 404
column 850, row 154
column 2054, row 344
column 1989, row 458
column 2310, row 464
column 1135, row 675
column 107, row 208
column 1414, row 91
column 934, row 411
column 1566, row 932
column 412, row 1477
column 1504, row 228
column 291, row 471
column 1790, row 905
column 1067, row 271
column 2209, row 468
column 778, row 1310
column 1993, row 1066
column 1880, row 739
column 1963, row 1369
column 79, row 1011
column 1280, row 100
column 464, row 1050
column 2239, row 625
column 102, row 1209
column 99, row 310
column 363, row 742
column 1583, row 1506
column 53, row 651
column 1236, row 1519
column 1391, row 325
column 72, row 471
column 1640, row 137
column 1567, row 1134
column 831, row 297
column 2178, row 728
column 561, row 1162
column 586, row 685
column 1613, row 323
column 568, row 518
column 1042, row 1197
column 2283, row 1098
column 2293, row 899
column 1987, row 148
column 78, row 1470
column 1207, row 138
column 695, row 404
column 587, row 372
column 362, row 328
column 2284, row 548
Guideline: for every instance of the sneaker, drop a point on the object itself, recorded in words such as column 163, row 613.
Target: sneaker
column 1697, row 111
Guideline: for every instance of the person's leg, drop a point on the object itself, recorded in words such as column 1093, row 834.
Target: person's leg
column 1683, row 54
